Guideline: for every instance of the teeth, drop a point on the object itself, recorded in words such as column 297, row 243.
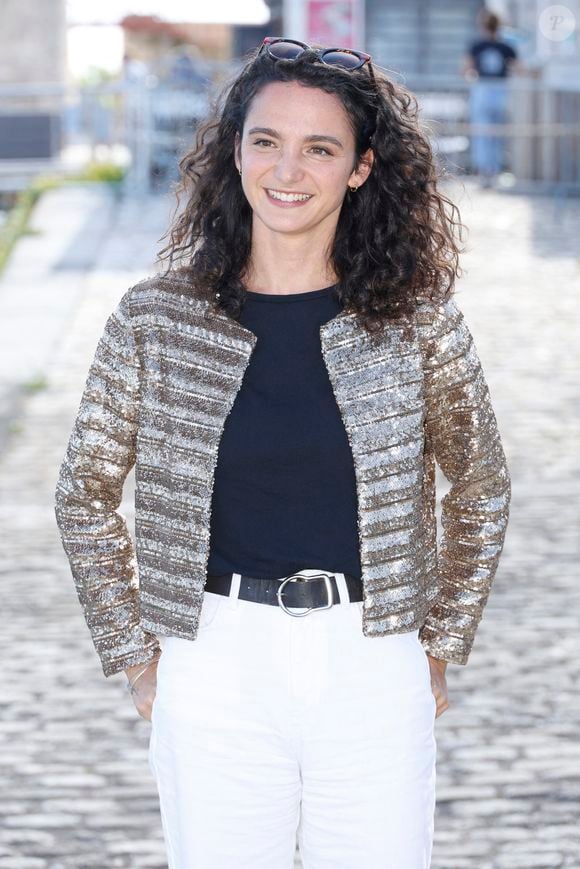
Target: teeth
column 289, row 197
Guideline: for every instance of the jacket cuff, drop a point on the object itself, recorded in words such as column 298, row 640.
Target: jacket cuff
column 135, row 647
column 451, row 648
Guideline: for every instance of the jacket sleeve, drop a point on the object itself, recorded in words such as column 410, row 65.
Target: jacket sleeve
column 100, row 454
column 461, row 428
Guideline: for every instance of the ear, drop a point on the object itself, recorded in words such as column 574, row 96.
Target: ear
column 363, row 170
column 237, row 156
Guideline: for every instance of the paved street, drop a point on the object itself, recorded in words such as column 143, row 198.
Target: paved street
column 75, row 788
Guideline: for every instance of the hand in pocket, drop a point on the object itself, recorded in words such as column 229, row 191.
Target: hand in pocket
column 145, row 689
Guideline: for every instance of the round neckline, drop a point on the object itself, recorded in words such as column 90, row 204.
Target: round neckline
column 289, row 297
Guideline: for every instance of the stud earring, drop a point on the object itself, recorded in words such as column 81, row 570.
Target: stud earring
column 352, row 189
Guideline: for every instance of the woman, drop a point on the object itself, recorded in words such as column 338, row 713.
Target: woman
column 488, row 63
column 284, row 390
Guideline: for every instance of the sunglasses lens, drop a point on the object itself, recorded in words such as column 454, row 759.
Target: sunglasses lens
column 285, row 50
column 342, row 58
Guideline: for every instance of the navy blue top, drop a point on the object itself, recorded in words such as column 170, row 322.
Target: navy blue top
column 490, row 57
column 284, row 495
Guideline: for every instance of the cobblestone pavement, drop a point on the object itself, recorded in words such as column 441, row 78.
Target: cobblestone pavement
column 76, row 788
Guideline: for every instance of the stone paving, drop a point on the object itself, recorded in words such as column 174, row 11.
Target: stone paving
column 76, row 790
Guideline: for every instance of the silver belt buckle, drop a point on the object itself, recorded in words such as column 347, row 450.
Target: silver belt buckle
column 301, row 577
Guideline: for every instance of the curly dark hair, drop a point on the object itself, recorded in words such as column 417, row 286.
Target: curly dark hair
column 394, row 243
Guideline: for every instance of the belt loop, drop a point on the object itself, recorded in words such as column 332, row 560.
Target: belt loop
column 342, row 588
column 235, row 590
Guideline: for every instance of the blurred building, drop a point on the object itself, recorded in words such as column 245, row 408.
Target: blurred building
column 32, row 41
column 156, row 42
column 149, row 38
column 32, row 73
column 411, row 36
column 418, row 36
column 428, row 37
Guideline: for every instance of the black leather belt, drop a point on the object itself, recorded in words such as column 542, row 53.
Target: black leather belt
column 315, row 591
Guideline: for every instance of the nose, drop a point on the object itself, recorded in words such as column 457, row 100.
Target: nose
column 289, row 168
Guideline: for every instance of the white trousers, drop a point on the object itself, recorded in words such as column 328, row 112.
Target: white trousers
column 268, row 729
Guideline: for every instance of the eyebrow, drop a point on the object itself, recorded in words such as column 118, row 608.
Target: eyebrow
column 316, row 137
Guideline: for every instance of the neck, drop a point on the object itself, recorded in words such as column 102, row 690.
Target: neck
column 281, row 263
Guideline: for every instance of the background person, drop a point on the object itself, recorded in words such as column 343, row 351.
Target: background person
column 487, row 65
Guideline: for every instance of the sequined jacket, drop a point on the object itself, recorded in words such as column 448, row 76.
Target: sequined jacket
column 164, row 377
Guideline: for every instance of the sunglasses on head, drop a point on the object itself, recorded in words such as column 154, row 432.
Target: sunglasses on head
column 280, row 48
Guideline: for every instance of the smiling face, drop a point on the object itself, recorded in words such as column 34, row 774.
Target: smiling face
column 297, row 154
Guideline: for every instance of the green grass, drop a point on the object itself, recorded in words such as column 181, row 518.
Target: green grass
column 35, row 384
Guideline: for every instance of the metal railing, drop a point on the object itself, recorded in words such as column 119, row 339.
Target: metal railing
column 147, row 125
column 540, row 134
